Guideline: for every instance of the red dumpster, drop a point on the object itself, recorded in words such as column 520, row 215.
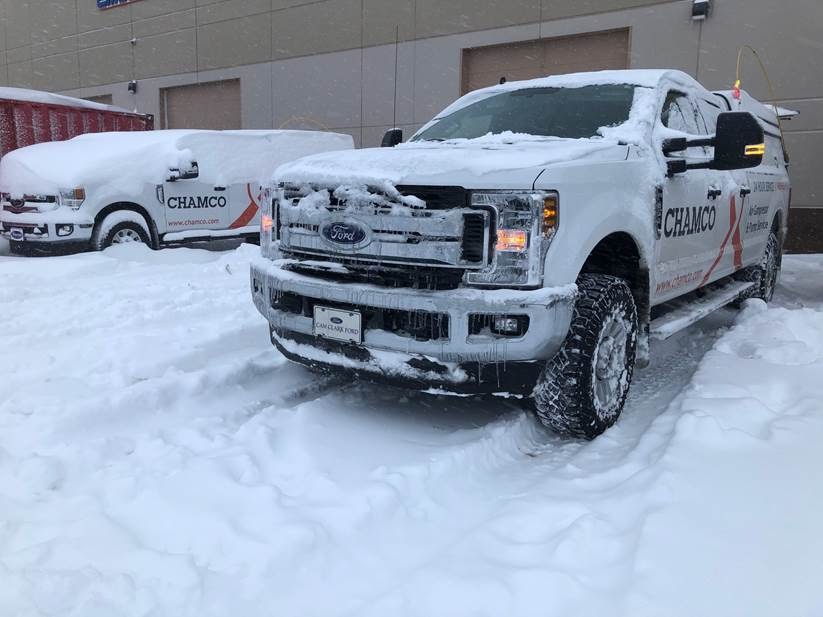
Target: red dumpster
column 30, row 117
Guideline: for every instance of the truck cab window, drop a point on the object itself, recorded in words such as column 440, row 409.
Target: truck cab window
column 679, row 114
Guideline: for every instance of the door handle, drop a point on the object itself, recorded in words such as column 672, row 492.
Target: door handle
column 714, row 193
column 744, row 190
column 219, row 188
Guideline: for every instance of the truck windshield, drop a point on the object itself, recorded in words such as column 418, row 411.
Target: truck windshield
column 551, row 112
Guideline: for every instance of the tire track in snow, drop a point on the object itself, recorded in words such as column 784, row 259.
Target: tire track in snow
column 513, row 451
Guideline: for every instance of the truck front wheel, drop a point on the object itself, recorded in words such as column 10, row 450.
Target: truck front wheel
column 582, row 390
column 120, row 227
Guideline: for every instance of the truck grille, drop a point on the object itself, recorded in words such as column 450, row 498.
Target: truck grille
column 474, row 237
column 419, row 325
column 447, row 233
column 415, row 277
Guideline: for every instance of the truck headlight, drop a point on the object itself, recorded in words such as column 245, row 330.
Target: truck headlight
column 73, row 198
column 526, row 224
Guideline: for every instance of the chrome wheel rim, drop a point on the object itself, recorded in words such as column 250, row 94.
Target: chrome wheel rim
column 124, row 236
column 610, row 363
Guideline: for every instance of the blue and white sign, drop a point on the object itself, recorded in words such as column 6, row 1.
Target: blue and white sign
column 108, row 4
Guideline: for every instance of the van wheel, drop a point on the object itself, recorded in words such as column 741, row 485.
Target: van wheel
column 582, row 390
column 121, row 227
column 765, row 274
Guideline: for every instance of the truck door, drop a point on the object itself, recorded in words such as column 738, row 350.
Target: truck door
column 763, row 192
column 689, row 216
column 193, row 205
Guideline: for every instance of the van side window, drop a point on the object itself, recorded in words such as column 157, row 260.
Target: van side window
column 679, row 114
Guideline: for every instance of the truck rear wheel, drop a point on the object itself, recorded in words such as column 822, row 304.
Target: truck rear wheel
column 582, row 390
column 765, row 274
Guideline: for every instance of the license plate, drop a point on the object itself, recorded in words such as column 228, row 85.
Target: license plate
column 17, row 234
column 338, row 325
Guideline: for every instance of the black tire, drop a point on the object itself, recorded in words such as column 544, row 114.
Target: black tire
column 765, row 274
column 569, row 396
column 100, row 241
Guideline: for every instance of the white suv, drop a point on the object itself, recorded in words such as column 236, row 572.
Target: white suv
column 153, row 187
column 529, row 240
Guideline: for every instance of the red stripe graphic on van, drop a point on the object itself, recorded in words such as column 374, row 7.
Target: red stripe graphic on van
column 732, row 223
column 248, row 214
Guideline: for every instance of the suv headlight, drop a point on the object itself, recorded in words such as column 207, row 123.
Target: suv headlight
column 73, row 198
column 526, row 224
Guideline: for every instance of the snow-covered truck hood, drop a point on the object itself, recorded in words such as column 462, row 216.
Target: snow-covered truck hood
column 128, row 161
column 498, row 162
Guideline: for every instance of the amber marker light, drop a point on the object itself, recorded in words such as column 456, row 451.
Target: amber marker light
column 549, row 214
column 755, row 150
column 266, row 222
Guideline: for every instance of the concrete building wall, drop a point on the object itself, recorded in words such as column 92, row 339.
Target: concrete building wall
column 330, row 63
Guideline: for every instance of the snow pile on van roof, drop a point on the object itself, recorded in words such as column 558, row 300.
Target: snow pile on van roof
column 48, row 98
column 126, row 161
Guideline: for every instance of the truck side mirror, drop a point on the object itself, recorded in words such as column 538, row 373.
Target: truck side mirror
column 184, row 174
column 391, row 138
column 739, row 142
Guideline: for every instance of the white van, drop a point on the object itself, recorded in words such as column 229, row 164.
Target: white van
column 152, row 187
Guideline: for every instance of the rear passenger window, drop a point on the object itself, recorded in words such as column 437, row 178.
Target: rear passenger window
column 774, row 152
column 710, row 112
column 679, row 114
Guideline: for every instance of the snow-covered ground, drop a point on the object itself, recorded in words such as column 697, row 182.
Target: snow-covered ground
column 158, row 458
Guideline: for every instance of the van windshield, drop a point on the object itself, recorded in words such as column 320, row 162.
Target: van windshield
column 550, row 112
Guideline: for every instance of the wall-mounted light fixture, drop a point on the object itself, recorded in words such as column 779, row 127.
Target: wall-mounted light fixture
column 701, row 9
column 133, row 86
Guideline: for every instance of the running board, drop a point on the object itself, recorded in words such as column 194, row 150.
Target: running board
column 686, row 312
column 209, row 234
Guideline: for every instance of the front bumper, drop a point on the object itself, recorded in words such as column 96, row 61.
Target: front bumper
column 460, row 361
column 59, row 226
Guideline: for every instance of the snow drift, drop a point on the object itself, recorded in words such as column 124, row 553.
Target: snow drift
column 157, row 457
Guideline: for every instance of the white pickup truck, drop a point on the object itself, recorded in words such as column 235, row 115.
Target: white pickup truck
column 154, row 187
column 529, row 240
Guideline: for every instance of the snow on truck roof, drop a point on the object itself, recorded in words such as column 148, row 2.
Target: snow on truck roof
column 48, row 98
column 129, row 160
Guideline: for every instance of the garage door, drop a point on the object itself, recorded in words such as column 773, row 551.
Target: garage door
column 485, row 66
column 213, row 105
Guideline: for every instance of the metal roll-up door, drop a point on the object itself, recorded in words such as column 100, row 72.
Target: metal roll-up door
column 485, row 66
column 213, row 105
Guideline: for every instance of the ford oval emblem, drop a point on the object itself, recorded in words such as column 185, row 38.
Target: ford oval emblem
column 348, row 233
column 336, row 320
